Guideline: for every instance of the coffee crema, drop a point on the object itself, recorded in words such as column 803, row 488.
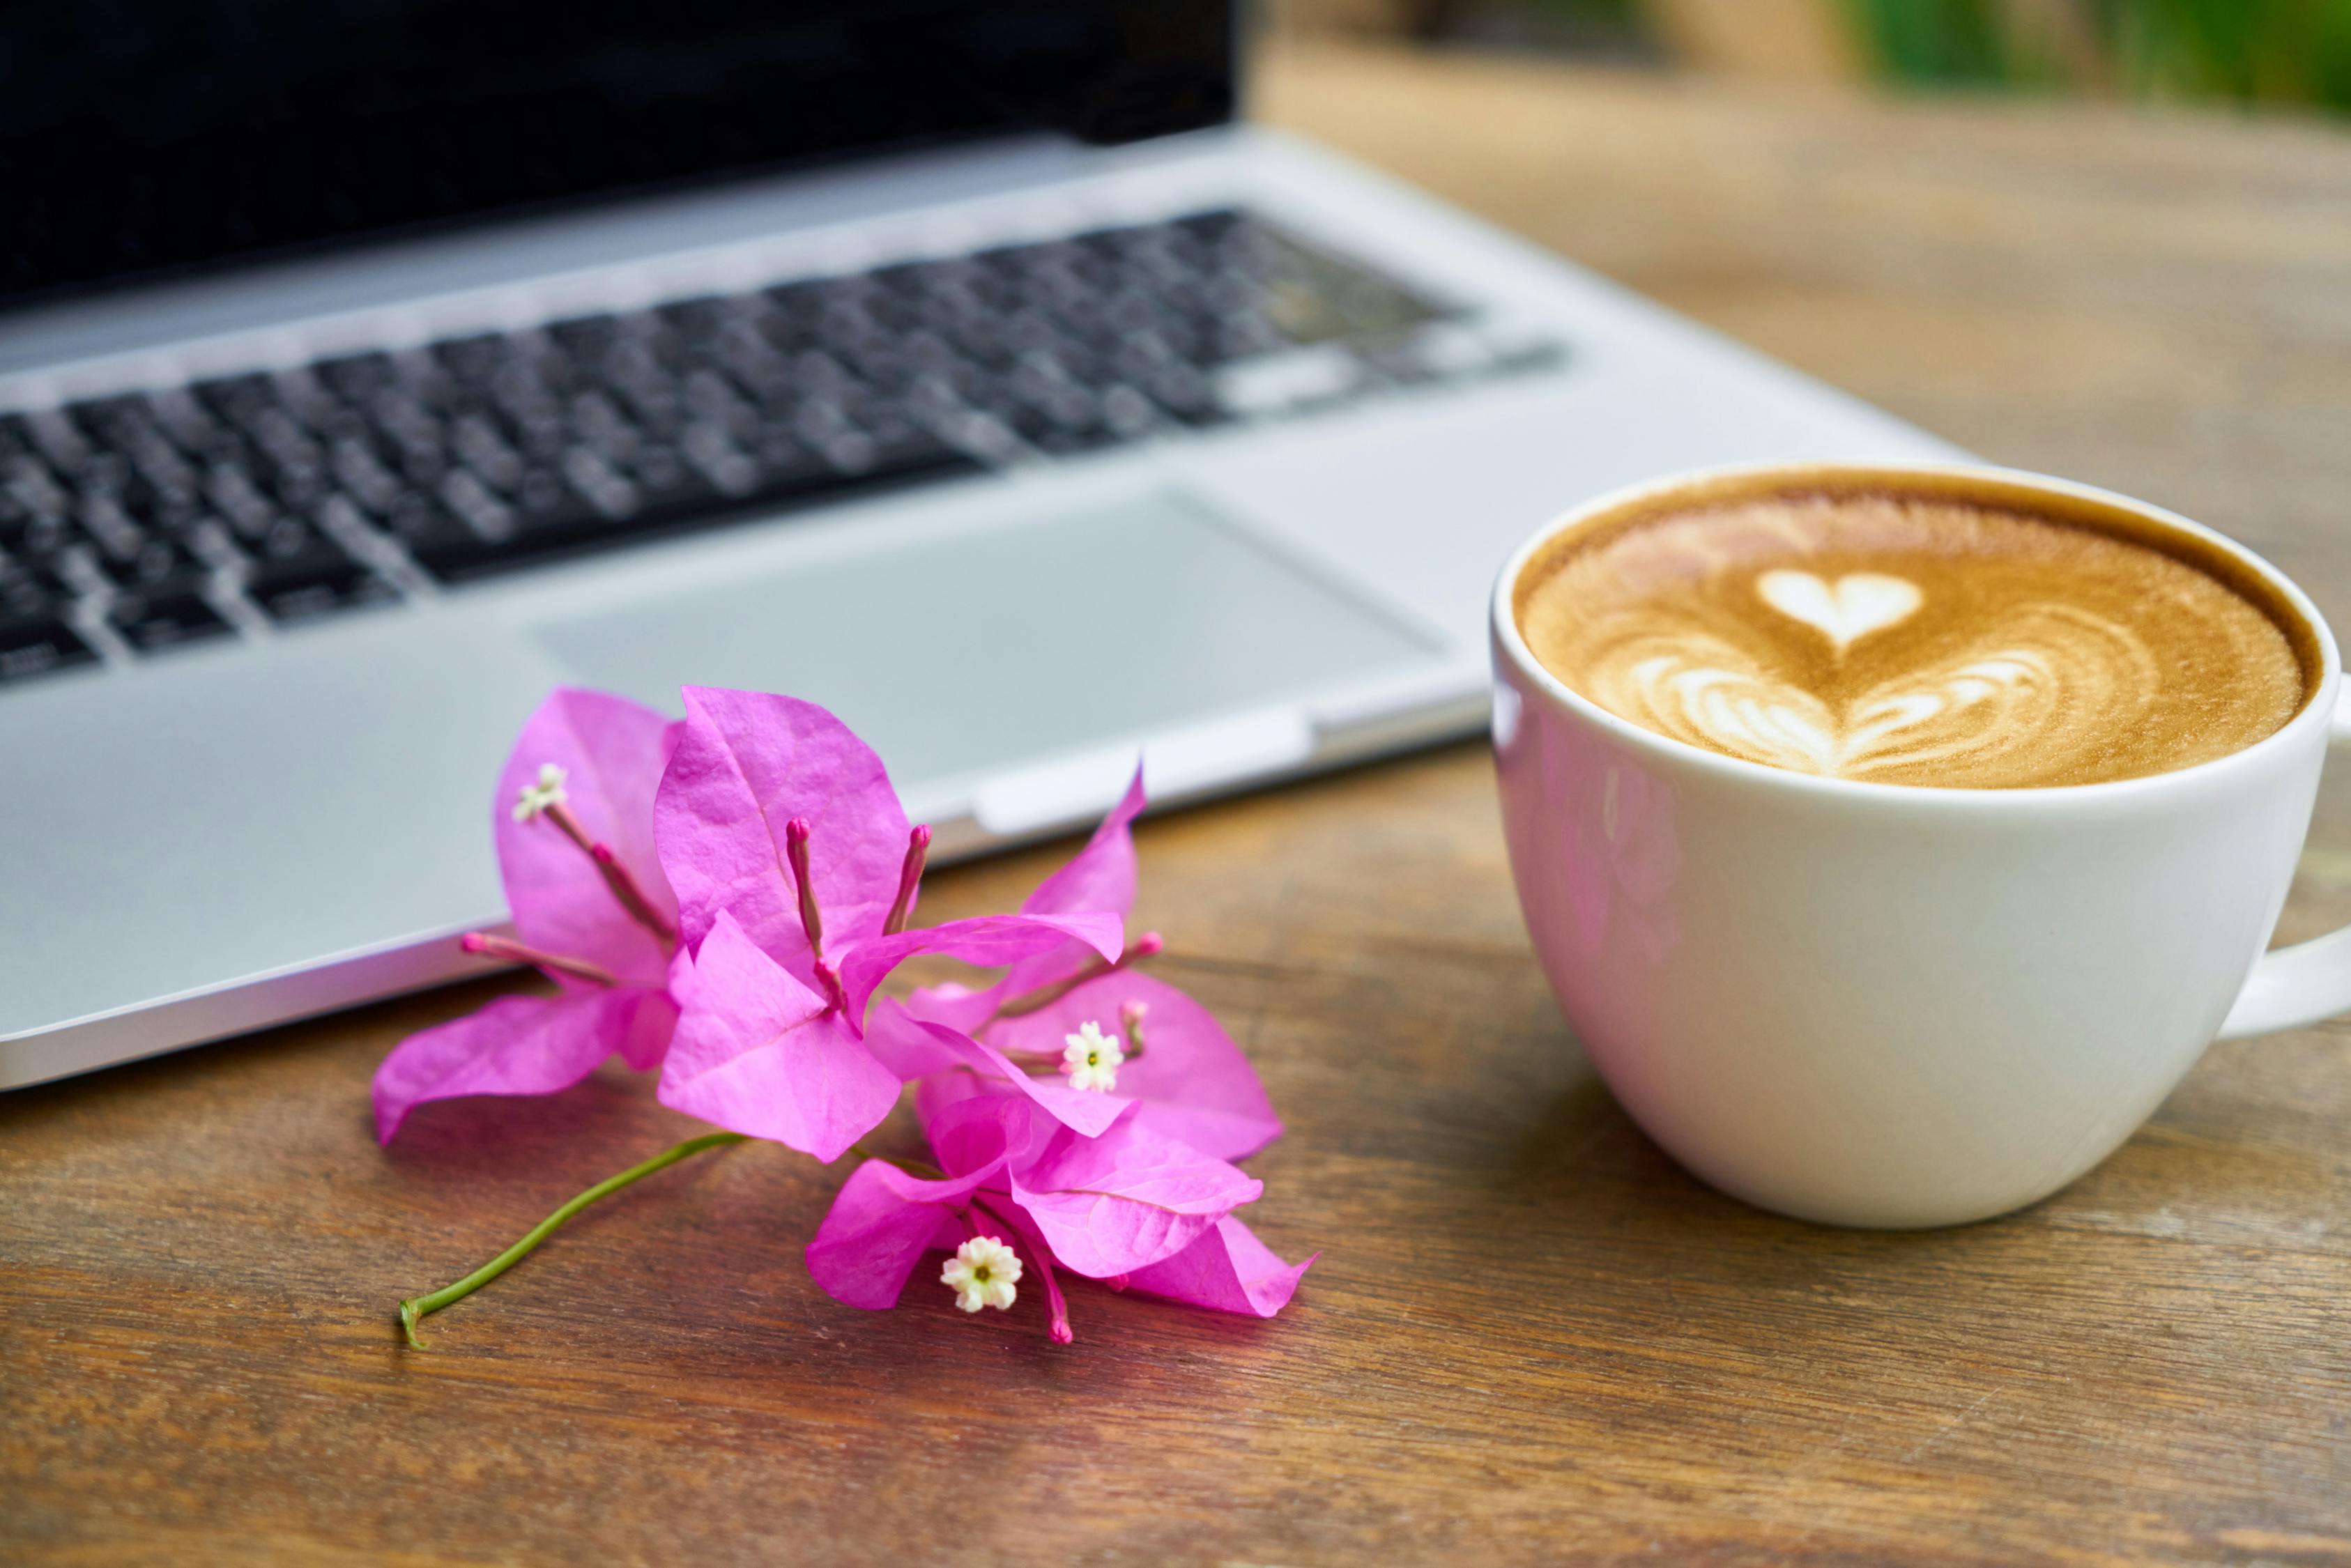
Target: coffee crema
column 1910, row 640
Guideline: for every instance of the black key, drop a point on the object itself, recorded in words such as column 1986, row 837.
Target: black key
column 309, row 402
column 65, row 443
column 788, row 466
column 472, row 361
column 585, row 338
column 30, row 589
column 231, row 488
column 30, row 493
column 239, row 399
column 599, row 424
column 545, row 500
column 110, row 419
column 356, row 378
column 190, row 424
column 701, row 320
column 167, row 616
column 37, row 645
column 359, row 470
column 484, row 448
column 288, row 537
column 317, row 581
column 1184, row 392
column 786, row 472
column 440, row 540
column 711, row 446
column 36, row 537
column 564, row 524
column 669, row 487
column 158, row 561
column 103, row 518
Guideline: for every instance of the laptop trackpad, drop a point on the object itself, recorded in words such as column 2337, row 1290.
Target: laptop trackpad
column 1005, row 645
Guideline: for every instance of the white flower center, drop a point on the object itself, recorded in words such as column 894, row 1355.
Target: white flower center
column 533, row 799
column 982, row 1273
column 1092, row 1059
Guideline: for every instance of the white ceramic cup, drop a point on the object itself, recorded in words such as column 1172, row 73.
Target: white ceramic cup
column 1876, row 1005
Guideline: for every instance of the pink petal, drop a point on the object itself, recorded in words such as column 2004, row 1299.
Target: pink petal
column 645, row 1042
column 759, row 1053
column 880, row 1223
column 910, row 1047
column 986, row 941
column 1100, row 876
column 612, row 751
column 1226, row 1270
column 1192, row 1082
column 956, row 1006
column 516, row 1045
column 747, row 765
column 940, row 1093
column 1125, row 1201
column 986, row 1134
column 915, row 1049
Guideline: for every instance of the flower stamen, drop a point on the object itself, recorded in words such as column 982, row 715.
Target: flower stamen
column 629, row 895
column 490, row 946
column 796, row 851
column 910, row 876
column 549, row 799
column 836, row 994
column 1143, row 946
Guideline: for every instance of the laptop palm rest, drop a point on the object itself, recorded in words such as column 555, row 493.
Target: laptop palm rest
column 992, row 649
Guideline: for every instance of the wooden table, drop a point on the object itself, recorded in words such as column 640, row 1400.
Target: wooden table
column 1531, row 1338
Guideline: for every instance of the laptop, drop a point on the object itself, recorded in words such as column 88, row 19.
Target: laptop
column 369, row 367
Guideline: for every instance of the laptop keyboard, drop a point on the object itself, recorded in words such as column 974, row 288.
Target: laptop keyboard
column 135, row 524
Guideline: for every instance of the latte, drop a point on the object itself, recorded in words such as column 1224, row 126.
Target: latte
column 1921, row 640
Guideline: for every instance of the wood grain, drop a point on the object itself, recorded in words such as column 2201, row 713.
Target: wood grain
column 1531, row 1338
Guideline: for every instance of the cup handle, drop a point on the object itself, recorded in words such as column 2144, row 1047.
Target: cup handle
column 2292, row 986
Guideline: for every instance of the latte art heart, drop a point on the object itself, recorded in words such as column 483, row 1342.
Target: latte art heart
column 1851, row 608
column 1911, row 642
column 2011, row 694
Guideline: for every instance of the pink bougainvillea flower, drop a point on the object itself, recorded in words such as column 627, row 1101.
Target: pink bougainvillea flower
column 573, row 821
column 722, row 897
column 1191, row 1081
column 795, row 872
column 1128, row 1205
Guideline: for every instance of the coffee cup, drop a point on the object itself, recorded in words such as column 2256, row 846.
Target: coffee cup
column 1902, row 1004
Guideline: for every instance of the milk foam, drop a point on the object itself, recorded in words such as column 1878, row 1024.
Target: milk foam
column 1912, row 642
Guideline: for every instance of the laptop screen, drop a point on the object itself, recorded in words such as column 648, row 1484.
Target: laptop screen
column 144, row 137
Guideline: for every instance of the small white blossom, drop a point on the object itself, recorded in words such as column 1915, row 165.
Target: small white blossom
column 533, row 799
column 1090, row 1057
column 982, row 1273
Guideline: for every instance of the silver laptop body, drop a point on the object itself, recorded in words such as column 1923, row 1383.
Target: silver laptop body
column 206, row 834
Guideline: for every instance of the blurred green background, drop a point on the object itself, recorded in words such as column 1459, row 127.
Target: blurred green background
column 2239, row 52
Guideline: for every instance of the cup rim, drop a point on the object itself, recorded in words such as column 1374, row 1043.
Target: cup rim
column 2316, row 712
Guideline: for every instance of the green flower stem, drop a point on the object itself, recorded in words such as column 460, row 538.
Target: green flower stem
column 420, row 1307
column 912, row 1168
